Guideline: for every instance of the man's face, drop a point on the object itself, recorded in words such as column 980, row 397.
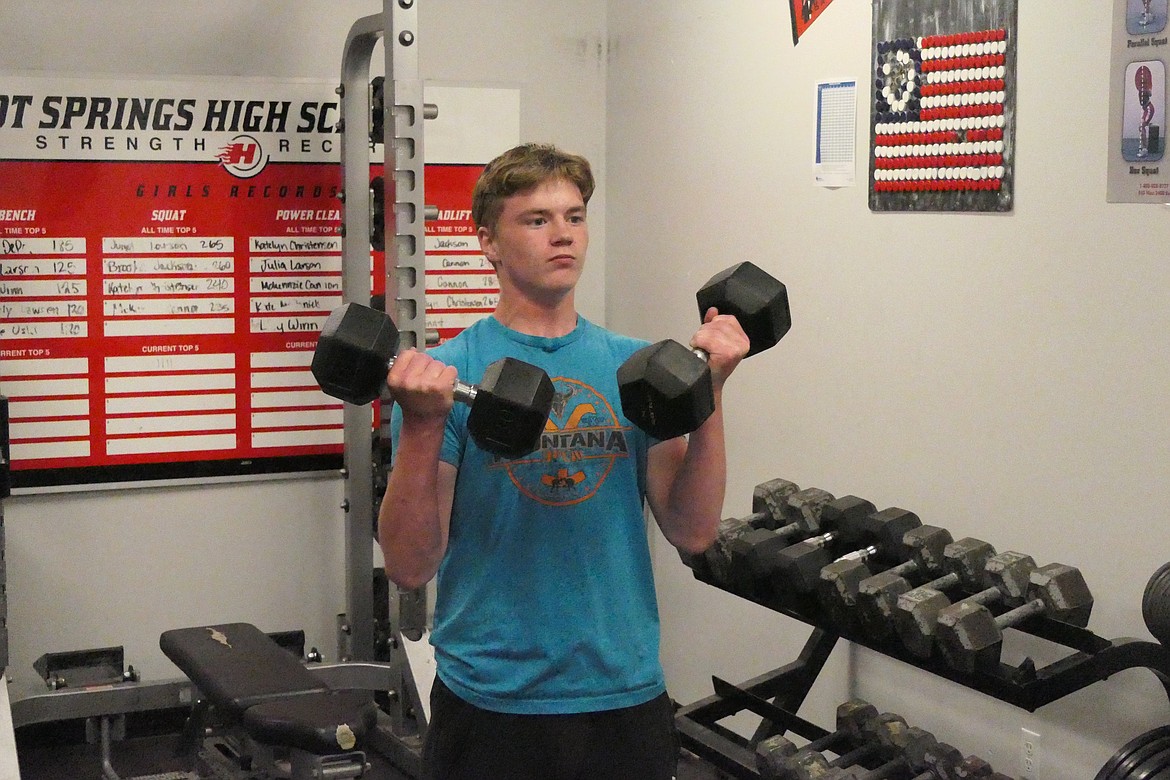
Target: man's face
column 538, row 244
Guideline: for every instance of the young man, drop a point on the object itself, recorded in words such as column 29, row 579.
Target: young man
column 546, row 625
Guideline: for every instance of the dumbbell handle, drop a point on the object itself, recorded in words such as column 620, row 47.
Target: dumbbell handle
column 864, row 554
column 948, row 580
column 1020, row 614
column 985, row 596
column 903, row 569
column 823, row 539
column 701, row 354
column 852, row 757
column 792, row 529
column 464, row 393
column 886, row 770
column 869, row 551
column 755, row 517
column 829, row 740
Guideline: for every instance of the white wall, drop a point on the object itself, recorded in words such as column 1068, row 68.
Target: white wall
column 1001, row 375
column 105, row 568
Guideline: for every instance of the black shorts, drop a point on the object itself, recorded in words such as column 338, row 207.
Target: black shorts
column 465, row 742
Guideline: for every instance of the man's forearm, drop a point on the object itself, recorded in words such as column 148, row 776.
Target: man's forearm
column 410, row 527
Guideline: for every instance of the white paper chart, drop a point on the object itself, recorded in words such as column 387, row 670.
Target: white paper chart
column 836, row 143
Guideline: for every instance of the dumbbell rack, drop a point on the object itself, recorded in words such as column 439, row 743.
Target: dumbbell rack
column 777, row 695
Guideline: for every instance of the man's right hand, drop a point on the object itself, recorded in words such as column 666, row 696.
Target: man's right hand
column 422, row 386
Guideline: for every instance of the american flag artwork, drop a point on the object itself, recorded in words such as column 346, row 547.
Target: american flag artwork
column 939, row 113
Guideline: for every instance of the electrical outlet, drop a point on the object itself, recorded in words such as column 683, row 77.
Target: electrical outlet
column 1029, row 754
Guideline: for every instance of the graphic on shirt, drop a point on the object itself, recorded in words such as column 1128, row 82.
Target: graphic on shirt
column 582, row 440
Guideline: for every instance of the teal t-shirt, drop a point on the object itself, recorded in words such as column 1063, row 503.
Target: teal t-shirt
column 545, row 598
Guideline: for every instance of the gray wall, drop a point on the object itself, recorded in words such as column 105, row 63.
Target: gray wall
column 1003, row 376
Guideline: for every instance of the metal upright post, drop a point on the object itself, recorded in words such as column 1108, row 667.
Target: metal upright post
column 405, row 262
column 356, row 629
column 405, row 210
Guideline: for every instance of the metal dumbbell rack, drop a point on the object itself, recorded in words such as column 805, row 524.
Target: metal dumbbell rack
column 777, row 695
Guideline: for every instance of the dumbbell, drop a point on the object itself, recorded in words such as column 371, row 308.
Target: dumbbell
column 935, row 760
column 800, row 565
column 971, row 638
column 901, row 746
column 883, row 734
column 749, row 552
column 914, row 609
column 797, row 567
column 767, row 510
column 754, row 553
column 971, row 564
column 509, row 408
column 973, row 767
column 877, row 596
column 768, row 504
column 941, row 761
column 665, row 388
column 920, row 549
column 775, row 756
column 1005, row 579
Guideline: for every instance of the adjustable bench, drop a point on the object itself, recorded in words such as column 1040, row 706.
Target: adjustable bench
column 272, row 703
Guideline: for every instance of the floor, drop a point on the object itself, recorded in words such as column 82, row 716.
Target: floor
column 154, row 749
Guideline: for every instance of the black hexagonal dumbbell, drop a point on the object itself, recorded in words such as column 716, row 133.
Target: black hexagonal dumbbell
column 776, row 755
column 920, row 548
column 801, row 514
column 796, row 567
column 509, row 408
column 971, row 638
column 753, row 554
column 666, row 388
column 884, row 735
column 963, row 562
column 1005, row 579
column 897, row 743
column 933, row 760
column 769, row 500
column 799, row 566
column 878, row 596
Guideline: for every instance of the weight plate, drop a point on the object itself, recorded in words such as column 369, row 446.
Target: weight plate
column 1139, row 756
column 1156, row 604
column 1107, row 771
column 1156, row 767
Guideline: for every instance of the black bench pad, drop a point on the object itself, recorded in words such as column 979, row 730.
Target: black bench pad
column 254, row 681
column 320, row 723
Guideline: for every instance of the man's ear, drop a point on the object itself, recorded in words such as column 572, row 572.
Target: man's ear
column 487, row 244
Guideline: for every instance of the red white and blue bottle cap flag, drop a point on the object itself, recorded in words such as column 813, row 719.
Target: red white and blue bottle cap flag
column 939, row 118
